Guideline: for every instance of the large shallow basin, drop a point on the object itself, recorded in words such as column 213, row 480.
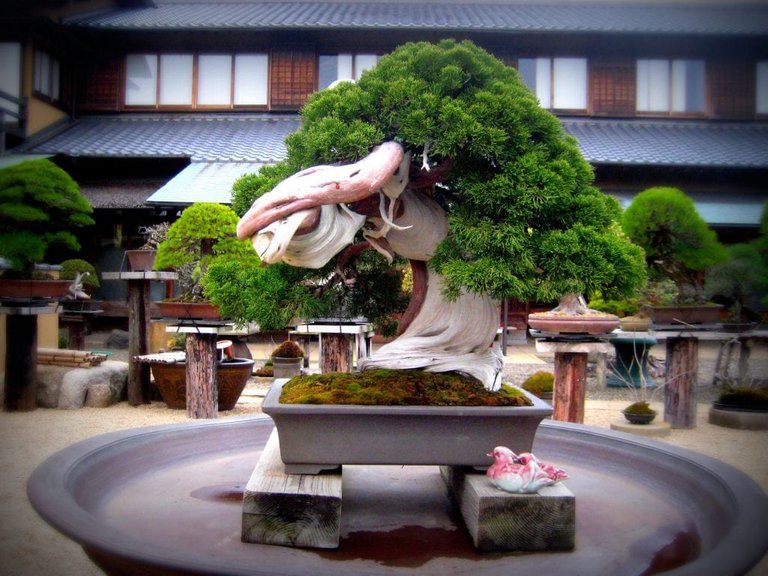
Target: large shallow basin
column 315, row 437
column 167, row 500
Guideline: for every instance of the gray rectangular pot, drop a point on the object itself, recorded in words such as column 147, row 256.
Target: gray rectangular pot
column 321, row 437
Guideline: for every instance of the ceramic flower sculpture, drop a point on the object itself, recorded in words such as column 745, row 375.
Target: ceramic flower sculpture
column 521, row 474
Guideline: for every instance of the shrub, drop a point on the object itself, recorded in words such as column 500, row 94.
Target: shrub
column 70, row 269
column 287, row 349
column 641, row 407
column 539, row 383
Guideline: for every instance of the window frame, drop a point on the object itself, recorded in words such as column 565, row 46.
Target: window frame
column 761, row 88
column 51, row 92
column 355, row 67
column 547, row 66
column 672, row 68
column 195, row 80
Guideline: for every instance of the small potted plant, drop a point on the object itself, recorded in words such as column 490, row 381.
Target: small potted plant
column 42, row 205
column 639, row 412
column 287, row 359
column 204, row 233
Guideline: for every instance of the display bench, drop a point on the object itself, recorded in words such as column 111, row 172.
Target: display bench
column 139, row 316
column 21, row 355
column 335, row 343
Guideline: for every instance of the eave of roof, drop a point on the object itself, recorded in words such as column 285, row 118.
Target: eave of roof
column 200, row 137
column 725, row 19
column 261, row 137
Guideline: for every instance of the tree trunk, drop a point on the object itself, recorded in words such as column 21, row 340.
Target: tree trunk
column 138, row 342
column 202, row 376
column 570, row 386
column 337, row 353
column 21, row 363
column 680, row 391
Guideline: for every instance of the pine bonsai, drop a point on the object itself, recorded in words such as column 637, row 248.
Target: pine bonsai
column 40, row 205
column 678, row 243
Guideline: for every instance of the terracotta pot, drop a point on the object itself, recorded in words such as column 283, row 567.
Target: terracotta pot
column 593, row 325
column 201, row 310
column 695, row 314
column 171, row 381
column 319, row 437
column 33, row 289
column 139, row 260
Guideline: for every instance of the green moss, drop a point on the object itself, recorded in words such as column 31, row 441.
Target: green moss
column 639, row 408
column 540, row 382
column 743, row 397
column 397, row 388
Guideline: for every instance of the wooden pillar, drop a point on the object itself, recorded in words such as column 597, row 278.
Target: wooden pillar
column 75, row 331
column 680, row 390
column 138, row 342
column 336, row 353
column 570, row 386
column 21, row 362
column 202, row 376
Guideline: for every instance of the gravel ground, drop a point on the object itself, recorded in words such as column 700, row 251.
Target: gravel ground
column 28, row 546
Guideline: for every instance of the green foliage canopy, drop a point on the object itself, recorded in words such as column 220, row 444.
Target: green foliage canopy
column 40, row 205
column 204, row 232
column 525, row 220
column 677, row 241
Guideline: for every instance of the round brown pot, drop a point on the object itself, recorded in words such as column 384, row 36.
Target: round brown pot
column 171, row 381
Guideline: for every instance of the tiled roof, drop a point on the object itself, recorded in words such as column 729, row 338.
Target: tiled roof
column 724, row 19
column 260, row 138
column 201, row 137
column 672, row 143
column 120, row 193
column 203, row 182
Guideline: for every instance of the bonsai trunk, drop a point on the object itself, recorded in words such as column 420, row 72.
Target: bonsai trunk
column 572, row 305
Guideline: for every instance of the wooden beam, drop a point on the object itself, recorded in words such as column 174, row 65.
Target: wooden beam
column 290, row 509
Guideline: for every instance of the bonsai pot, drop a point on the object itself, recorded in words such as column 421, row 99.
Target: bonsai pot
column 320, row 437
column 24, row 290
column 694, row 314
column 638, row 418
column 585, row 324
column 198, row 310
column 171, row 381
column 80, row 305
column 139, row 260
column 286, row 367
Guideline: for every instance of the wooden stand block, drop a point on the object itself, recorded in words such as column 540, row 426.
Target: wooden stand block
column 680, row 390
column 501, row 521
column 290, row 509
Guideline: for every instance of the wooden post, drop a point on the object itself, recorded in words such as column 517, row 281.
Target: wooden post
column 202, row 376
column 337, row 354
column 680, row 389
column 21, row 362
column 138, row 342
column 570, row 386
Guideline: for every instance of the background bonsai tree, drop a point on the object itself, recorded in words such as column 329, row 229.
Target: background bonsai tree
column 678, row 243
column 40, row 206
column 205, row 231
column 70, row 269
column 449, row 132
column 739, row 282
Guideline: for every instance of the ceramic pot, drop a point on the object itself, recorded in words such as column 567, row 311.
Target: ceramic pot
column 18, row 289
column 638, row 418
column 198, row 310
column 286, row 367
column 316, row 437
column 139, row 260
column 232, row 375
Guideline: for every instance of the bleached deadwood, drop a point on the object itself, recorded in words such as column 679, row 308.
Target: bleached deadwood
column 305, row 221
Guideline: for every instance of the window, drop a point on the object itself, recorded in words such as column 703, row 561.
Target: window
column 559, row 83
column 47, row 75
column 761, row 96
column 334, row 67
column 675, row 86
column 10, row 77
column 206, row 80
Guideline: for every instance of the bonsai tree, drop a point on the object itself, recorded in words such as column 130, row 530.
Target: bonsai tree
column 441, row 155
column 742, row 278
column 678, row 243
column 40, row 206
column 287, row 349
column 205, row 231
column 71, row 268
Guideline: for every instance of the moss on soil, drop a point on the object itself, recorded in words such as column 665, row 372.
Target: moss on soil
column 397, row 388
column 742, row 397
